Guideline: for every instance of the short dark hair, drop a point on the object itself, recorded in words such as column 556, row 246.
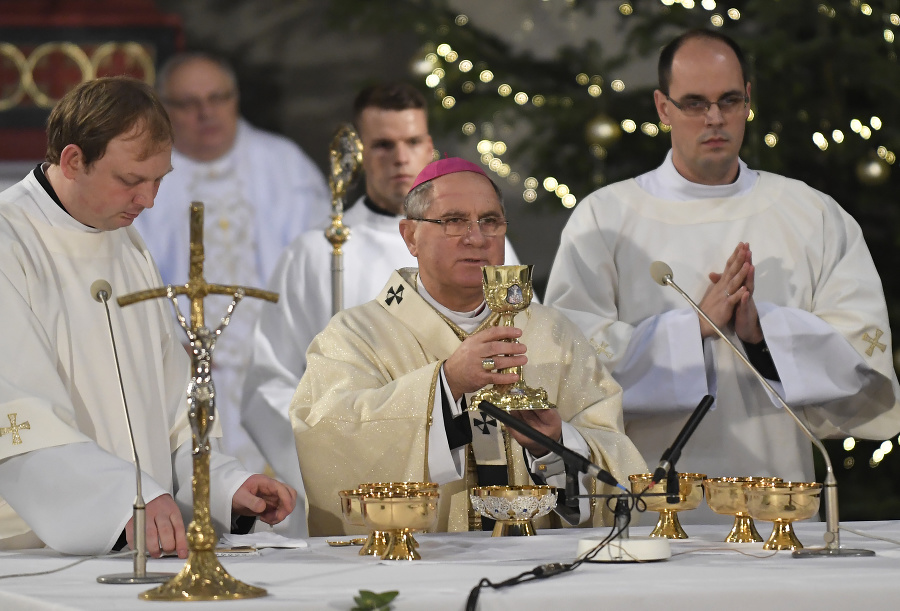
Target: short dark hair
column 667, row 55
column 96, row 111
column 393, row 95
column 179, row 59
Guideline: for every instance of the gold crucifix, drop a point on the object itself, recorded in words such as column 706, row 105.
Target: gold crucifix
column 203, row 577
column 14, row 428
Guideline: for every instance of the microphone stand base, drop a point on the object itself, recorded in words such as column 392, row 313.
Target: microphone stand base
column 816, row 552
column 120, row 578
column 634, row 549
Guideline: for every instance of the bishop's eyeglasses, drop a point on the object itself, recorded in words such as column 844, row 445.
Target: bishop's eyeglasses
column 696, row 107
column 454, row 227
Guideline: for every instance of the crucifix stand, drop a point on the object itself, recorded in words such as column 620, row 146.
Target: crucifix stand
column 203, row 577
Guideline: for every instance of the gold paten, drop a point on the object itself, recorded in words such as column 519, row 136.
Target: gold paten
column 508, row 290
column 725, row 495
column 345, row 155
column 203, row 577
column 513, row 507
column 399, row 512
column 690, row 494
column 783, row 503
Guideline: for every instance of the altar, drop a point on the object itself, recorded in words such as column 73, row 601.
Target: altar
column 703, row 573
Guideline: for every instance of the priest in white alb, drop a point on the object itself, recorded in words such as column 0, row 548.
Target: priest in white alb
column 387, row 384
column 805, row 305
column 67, row 478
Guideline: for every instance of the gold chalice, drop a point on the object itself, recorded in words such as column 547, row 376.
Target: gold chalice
column 690, row 493
column 508, row 291
column 783, row 503
column 351, row 507
column 725, row 495
column 398, row 513
column 513, row 507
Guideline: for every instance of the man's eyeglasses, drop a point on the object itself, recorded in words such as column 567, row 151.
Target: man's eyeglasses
column 490, row 226
column 696, row 107
column 213, row 100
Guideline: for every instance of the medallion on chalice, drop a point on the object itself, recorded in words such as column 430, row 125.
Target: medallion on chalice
column 508, row 291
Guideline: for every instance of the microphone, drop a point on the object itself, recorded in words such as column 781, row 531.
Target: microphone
column 671, row 456
column 101, row 291
column 663, row 275
column 570, row 457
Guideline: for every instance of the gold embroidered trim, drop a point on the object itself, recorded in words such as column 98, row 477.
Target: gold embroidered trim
column 431, row 394
column 14, row 428
column 873, row 342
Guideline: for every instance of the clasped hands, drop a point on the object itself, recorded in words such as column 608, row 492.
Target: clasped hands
column 466, row 372
column 728, row 300
column 261, row 496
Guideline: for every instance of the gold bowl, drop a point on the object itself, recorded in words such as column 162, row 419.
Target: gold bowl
column 351, row 508
column 725, row 495
column 690, row 493
column 783, row 503
column 398, row 513
column 513, row 507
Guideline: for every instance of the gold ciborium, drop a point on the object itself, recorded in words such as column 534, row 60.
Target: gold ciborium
column 513, row 507
column 508, row 291
column 377, row 540
column 690, row 493
column 783, row 503
column 725, row 495
column 399, row 513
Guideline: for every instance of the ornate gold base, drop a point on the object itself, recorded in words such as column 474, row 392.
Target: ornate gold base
column 202, row 578
column 375, row 544
column 668, row 526
column 518, row 396
column 782, row 537
column 401, row 546
column 513, row 528
column 743, row 531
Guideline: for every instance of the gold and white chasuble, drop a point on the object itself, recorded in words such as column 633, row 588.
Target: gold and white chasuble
column 363, row 409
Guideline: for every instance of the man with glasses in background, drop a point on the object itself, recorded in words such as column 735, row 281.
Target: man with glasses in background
column 388, row 383
column 805, row 304
column 260, row 191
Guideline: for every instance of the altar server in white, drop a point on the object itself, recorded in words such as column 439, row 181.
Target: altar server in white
column 260, row 191
column 392, row 124
column 776, row 263
column 67, row 478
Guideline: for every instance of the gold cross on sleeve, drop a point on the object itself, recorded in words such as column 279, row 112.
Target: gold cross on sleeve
column 14, row 428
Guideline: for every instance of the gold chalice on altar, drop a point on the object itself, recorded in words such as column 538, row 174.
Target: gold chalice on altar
column 513, row 507
column 690, row 493
column 725, row 495
column 783, row 503
column 399, row 513
column 508, row 291
column 351, row 508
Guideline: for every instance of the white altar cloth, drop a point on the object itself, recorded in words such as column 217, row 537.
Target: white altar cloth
column 710, row 576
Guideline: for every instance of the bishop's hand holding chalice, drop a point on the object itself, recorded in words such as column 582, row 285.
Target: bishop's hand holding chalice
column 508, row 290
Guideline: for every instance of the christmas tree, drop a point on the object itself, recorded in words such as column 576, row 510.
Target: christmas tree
column 825, row 81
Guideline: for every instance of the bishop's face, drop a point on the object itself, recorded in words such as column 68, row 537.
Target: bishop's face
column 117, row 187
column 450, row 267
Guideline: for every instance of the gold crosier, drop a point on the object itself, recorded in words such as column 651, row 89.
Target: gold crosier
column 203, row 577
column 345, row 154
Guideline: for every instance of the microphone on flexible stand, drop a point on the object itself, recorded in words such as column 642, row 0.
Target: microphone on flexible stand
column 101, row 291
column 663, row 275
column 670, row 456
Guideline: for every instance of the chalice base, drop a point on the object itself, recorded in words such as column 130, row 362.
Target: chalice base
column 401, row 546
column 375, row 544
column 513, row 528
column 515, row 397
column 743, row 531
column 782, row 537
column 668, row 526
column 203, row 578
